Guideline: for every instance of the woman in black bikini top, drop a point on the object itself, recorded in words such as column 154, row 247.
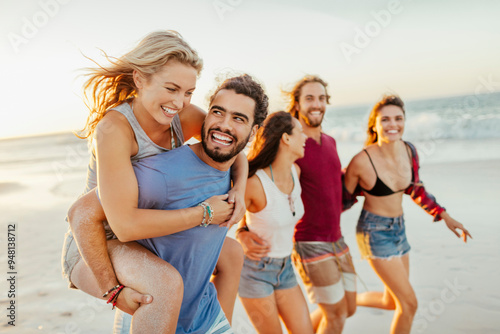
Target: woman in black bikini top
column 380, row 188
column 380, row 231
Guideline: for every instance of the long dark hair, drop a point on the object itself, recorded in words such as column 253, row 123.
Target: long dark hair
column 386, row 100
column 267, row 141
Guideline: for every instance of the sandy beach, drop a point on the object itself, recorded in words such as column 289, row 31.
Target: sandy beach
column 455, row 282
column 438, row 56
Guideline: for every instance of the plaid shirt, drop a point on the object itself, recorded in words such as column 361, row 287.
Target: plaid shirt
column 417, row 192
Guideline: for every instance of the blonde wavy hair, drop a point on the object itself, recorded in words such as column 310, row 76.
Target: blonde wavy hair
column 111, row 85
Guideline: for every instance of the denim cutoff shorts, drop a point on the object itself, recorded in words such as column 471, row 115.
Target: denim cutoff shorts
column 259, row 279
column 381, row 237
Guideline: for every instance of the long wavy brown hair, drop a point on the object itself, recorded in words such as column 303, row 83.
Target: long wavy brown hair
column 109, row 86
column 267, row 140
column 386, row 100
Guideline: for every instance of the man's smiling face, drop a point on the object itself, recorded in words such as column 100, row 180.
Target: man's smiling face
column 228, row 126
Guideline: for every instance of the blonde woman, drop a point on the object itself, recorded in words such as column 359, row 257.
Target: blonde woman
column 140, row 106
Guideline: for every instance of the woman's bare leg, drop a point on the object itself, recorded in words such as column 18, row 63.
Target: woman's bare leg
column 394, row 274
column 377, row 299
column 263, row 313
column 293, row 310
column 141, row 270
column 316, row 317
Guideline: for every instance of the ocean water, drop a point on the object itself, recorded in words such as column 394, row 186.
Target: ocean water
column 454, row 129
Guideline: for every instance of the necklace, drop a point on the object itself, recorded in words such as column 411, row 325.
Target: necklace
column 290, row 199
column 172, row 140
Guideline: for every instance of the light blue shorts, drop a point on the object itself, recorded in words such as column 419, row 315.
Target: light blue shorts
column 123, row 321
column 221, row 325
column 381, row 237
column 259, row 279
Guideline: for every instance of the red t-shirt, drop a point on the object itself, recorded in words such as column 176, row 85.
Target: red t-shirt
column 321, row 182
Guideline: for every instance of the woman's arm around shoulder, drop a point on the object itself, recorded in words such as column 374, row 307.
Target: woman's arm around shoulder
column 192, row 118
column 117, row 184
column 239, row 175
column 118, row 190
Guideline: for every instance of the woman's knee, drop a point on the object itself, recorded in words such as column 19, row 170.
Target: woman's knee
column 388, row 302
column 170, row 281
column 410, row 305
column 168, row 275
column 335, row 312
column 351, row 309
column 231, row 256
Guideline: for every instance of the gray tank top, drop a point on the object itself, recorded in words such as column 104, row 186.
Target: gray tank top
column 146, row 146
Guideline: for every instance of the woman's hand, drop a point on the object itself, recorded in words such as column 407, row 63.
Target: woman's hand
column 254, row 247
column 453, row 225
column 238, row 198
column 221, row 208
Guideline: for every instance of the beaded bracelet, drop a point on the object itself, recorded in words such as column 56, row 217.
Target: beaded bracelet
column 207, row 211
column 204, row 206
column 111, row 290
column 114, row 297
column 210, row 214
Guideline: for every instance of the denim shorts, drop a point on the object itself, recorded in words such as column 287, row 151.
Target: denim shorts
column 259, row 279
column 70, row 257
column 381, row 237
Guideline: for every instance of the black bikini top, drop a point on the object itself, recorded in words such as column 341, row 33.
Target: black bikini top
column 380, row 188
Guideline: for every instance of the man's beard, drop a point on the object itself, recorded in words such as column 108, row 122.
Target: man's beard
column 215, row 154
column 312, row 123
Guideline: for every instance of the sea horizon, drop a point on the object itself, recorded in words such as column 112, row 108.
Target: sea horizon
column 468, row 102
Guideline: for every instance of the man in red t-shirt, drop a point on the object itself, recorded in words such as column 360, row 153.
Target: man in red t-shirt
column 320, row 254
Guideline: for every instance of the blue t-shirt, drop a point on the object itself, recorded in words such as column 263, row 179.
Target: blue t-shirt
column 176, row 180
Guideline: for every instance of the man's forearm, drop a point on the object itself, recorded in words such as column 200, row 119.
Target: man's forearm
column 90, row 238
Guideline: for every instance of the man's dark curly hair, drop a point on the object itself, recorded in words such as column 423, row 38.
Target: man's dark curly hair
column 246, row 85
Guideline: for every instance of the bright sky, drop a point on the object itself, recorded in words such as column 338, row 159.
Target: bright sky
column 419, row 48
